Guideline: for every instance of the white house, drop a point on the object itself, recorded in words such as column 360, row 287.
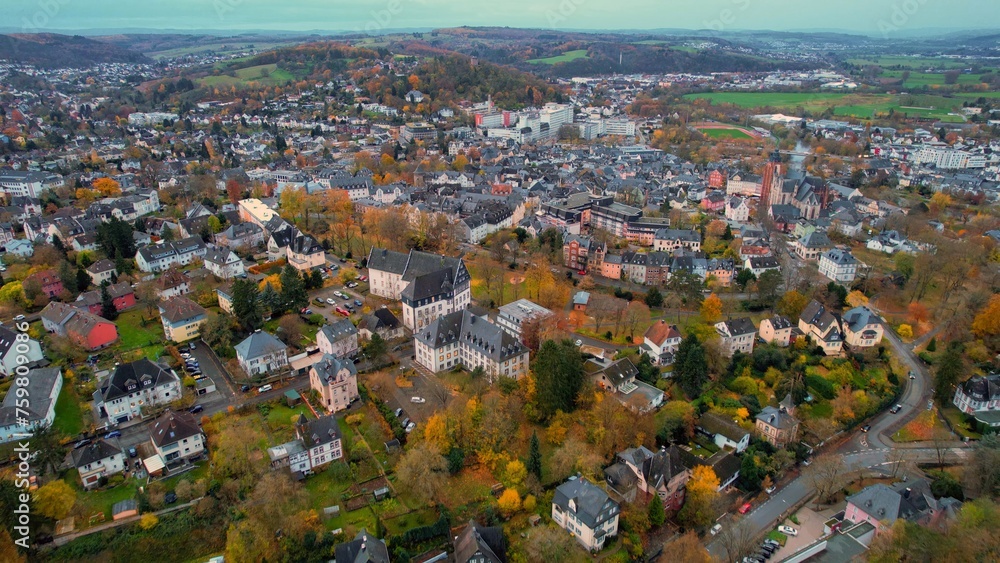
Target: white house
column 461, row 338
column 161, row 256
column 103, row 458
column 177, row 437
column 724, row 432
column 339, row 339
column 16, row 350
column 42, row 387
column 737, row 335
column 224, row 263
column 261, row 353
column 838, row 265
column 585, row 511
column 737, row 209
column 322, row 442
column 661, row 342
column 513, row 315
column 134, row 385
column 429, row 285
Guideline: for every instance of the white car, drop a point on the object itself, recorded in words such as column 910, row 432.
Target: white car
column 788, row 530
column 715, row 529
column 330, row 301
column 19, row 318
column 770, row 489
column 418, row 400
column 410, row 427
column 579, row 343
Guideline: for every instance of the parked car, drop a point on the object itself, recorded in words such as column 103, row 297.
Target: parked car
column 352, row 284
column 244, row 388
column 772, row 543
column 81, row 444
column 410, row 427
column 896, row 409
column 343, row 260
column 132, row 452
column 715, row 529
column 358, row 302
column 363, row 278
column 579, row 342
column 745, row 508
column 418, row 400
column 334, row 267
column 399, row 412
column 319, row 301
column 866, row 428
column 19, row 318
column 930, row 404
column 170, row 498
column 342, row 311
column 113, row 434
column 405, row 422
column 185, row 355
column 788, row 530
column 770, row 490
column 912, row 375
column 264, row 388
column 191, row 346
column 196, row 409
column 307, row 311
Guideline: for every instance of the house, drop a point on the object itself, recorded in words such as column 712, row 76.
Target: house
column 122, row 297
column 580, row 300
column 364, row 548
column 838, row 265
column 182, row 319
column 241, row 235
column 669, row 240
column 776, row 330
column 101, row 459
column 429, row 285
column 160, row 257
column 725, row 465
column 48, row 281
column 619, row 379
column 661, row 342
column 177, row 437
column 724, row 432
column 822, row 326
column 737, row 335
column 224, row 264
column 83, row 328
column 862, row 328
column 881, row 505
column 778, row 425
column 336, row 381
column 102, row 271
column 322, row 441
column 661, row 473
column 173, row 283
column 42, row 387
column 513, row 315
column 760, row 264
column 20, row 247
column 225, row 295
column 586, row 511
column 737, row 209
column 15, row 351
column 339, row 339
column 979, row 397
column 579, row 252
column 304, row 253
column 381, row 322
column 812, row 245
column 480, row 544
column 133, row 386
column 260, row 353
column 461, row 338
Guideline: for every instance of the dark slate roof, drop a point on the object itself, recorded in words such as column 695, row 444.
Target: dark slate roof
column 96, row 451
column 320, row 431
column 593, row 505
column 39, row 388
column 172, row 427
column 777, row 417
column 742, row 325
column 815, row 314
column 981, row 389
column 780, row 322
column 339, row 330
column 840, row 256
column 140, row 374
column 621, row 371
column 884, row 503
column 475, row 332
column 380, row 319
column 620, row 477
column 860, row 317
column 180, row 308
column 365, row 548
column 329, row 366
column 715, row 424
column 485, row 544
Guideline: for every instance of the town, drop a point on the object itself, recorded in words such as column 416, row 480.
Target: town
column 392, row 300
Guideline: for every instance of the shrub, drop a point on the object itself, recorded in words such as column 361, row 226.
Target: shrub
column 148, row 521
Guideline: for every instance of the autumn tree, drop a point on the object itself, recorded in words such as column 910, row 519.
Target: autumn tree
column 856, row 299
column 54, row 499
column 711, row 309
column 107, row 187
column 509, row 502
column 636, row 315
column 436, row 433
column 701, row 497
column 234, row 190
column 792, row 303
column 688, row 548
column 827, row 474
column 423, row 472
column 987, row 322
column 558, row 370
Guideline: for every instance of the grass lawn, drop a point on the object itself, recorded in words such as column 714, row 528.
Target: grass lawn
column 819, row 410
column 414, row 519
column 199, row 472
column 725, row 133
column 89, row 503
column 133, row 334
column 563, row 58
column 961, row 423
column 268, row 74
column 279, row 421
column 862, row 106
column 909, row 62
column 777, row 536
column 69, row 412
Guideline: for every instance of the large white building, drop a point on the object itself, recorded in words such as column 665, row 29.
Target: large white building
column 949, row 159
column 429, row 285
column 18, row 183
column 838, row 265
column 42, row 388
column 586, row 511
column 463, row 339
column 133, row 386
column 513, row 315
column 160, row 257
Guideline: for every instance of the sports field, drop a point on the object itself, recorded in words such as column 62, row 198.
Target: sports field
column 722, row 131
column 563, row 58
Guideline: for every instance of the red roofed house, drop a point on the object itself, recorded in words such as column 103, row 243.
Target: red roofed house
column 82, row 327
column 661, row 342
column 121, row 294
column 49, row 281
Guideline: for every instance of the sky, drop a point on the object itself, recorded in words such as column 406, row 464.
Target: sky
column 873, row 17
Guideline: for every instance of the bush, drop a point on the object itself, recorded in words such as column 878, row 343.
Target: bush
column 148, row 521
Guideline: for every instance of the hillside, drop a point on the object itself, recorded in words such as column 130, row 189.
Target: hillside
column 54, row 50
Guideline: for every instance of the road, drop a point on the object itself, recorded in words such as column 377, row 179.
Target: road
column 871, row 450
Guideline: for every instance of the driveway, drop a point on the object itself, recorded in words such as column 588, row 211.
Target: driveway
column 810, row 528
column 212, row 367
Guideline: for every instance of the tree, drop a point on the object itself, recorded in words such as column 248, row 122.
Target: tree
column 767, row 287
column 792, row 303
column 744, row 277
column 982, row 474
column 234, row 190
column 678, row 422
column 856, row 299
column 657, row 515
column 375, row 349
column 950, row 368
column 293, row 289
column 148, row 521
column 711, row 309
column 702, row 495
column 987, row 322
column 905, row 331
column 739, row 539
column 108, row 309
column 436, row 433
column 534, row 465
column 551, row 544
column 827, row 475
column 82, row 280
column 47, row 448
column 115, row 239
column 654, row 298
column 54, row 499
column 691, row 366
column 8, row 549
column 423, row 472
column 107, row 187
column 218, row 332
column 558, row 371
column 291, row 327
column 247, row 305
column 688, row 549
column 636, row 315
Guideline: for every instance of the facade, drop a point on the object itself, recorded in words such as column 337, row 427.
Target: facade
column 49, row 282
column 724, row 432
column 122, row 297
column 381, row 322
column 261, row 353
column 339, row 339
column 586, row 511
column 182, row 319
column 42, row 387
column 103, row 458
column 177, row 437
column 823, row 327
column 658, row 473
column 737, row 335
column 461, row 338
column 160, row 257
column 225, row 294
column 429, row 285
column 581, row 252
column 812, row 245
column 778, row 425
column 669, row 240
column 84, row 328
column 224, row 264
column 661, row 342
column 979, row 397
column 738, row 209
column 862, row 328
column 102, row 271
column 513, row 315
column 241, row 235
column 838, row 265
column 776, row 330
column 304, row 253
column 336, row 381
column 134, row 386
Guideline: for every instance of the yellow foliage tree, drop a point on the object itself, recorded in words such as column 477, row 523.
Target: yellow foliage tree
column 148, row 521
column 905, row 331
column 711, row 309
column 987, row 322
column 55, row 499
column 939, row 202
column 857, row 299
column 515, row 473
column 530, row 503
column 273, row 279
column 510, row 502
column 107, row 187
column 436, row 433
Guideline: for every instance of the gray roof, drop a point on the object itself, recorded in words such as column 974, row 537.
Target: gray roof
column 593, row 505
column 380, row 319
column 365, row 548
column 840, row 256
column 329, row 366
column 316, row 432
column 172, row 427
column 480, row 544
column 339, row 330
column 139, row 375
column 777, row 417
column 40, row 384
column 96, row 451
column 860, row 317
column 258, row 344
column 715, row 424
column 475, row 332
column 742, row 325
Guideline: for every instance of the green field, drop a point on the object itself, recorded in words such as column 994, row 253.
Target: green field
column 930, row 78
column 69, row 413
column 269, row 75
column 725, row 133
column 922, row 63
column 563, row 58
column 861, row 106
column 217, row 48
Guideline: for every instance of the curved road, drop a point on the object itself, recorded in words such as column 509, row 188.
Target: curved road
column 871, row 450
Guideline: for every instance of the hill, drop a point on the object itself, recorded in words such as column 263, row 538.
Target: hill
column 52, row 50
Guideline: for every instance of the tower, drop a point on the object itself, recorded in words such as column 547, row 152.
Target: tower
column 773, row 171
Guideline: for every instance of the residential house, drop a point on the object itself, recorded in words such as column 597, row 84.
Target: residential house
column 812, row 245
column 336, row 381
column 177, row 437
column 225, row 295
column 611, row 267
column 580, row 252
column 122, row 297
column 20, row 247
column 778, row 425
column 580, row 300
column 738, row 209
column 661, row 473
column 173, row 283
column 669, row 240
column 364, row 548
column 725, row 465
column 979, row 397
column 241, row 235
column 16, row 351
column 724, row 432
column 737, row 335
column 822, row 326
column 182, row 319
column 480, row 544
column 512, row 316
column 83, row 328
column 838, row 265
column 461, row 338
column 661, row 342
column 48, row 281
column 304, row 253
column 862, row 327
column 102, row 271
column 619, row 379
column 224, row 264
column 322, row 440
column 100, row 459
column 776, row 330
column 134, row 386
column 41, row 387
column 429, row 285
column 160, row 257
column 381, row 322
column 261, row 353
column 760, row 264
column 339, row 339
column 881, row 505
column 586, row 511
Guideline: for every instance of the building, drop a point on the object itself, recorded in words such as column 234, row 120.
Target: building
column 580, row 252
column 619, row 379
column 225, row 295
column 838, row 265
column 778, row 425
column 862, row 328
column 16, row 351
column 661, row 473
column 669, row 240
column 336, row 381
column 261, row 353
column 42, row 387
column 881, row 505
column 48, row 281
column 182, row 319
column 512, row 316
column 304, row 253
column 979, row 397
column 160, row 257
column 254, row 211
column 134, row 386
column 122, row 297
column 429, row 285
column 480, row 544
column 381, row 322
column 364, row 548
column 823, row 327
column 102, row 271
column 322, row 440
column 177, row 437
column 99, row 460
column 776, row 330
column 737, row 335
column 463, row 339
column 661, row 342
column 724, row 432
column 586, row 511
column 812, row 245
column 339, row 339
column 83, row 328
column 737, row 209
column 760, row 264
column 224, row 263
column 240, row 235
column 27, row 183
column 172, row 283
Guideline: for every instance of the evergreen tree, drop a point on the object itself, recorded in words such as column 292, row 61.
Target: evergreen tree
column 293, row 289
column 82, row 279
column 654, row 298
column 657, row 515
column 558, row 376
column 690, row 366
column 108, row 309
column 950, row 369
column 115, row 239
column 247, row 305
column 317, row 279
column 534, row 465
column 728, row 235
column 270, row 300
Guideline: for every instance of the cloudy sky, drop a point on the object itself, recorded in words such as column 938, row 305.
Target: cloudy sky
column 862, row 16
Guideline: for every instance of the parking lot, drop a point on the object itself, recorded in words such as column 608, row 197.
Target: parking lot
column 810, row 528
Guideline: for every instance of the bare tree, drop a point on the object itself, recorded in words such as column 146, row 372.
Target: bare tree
column 738, row 539
column 827, row 474
column 636, row 314
column 896, row 459
column 940, row 438
column 601, row 307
